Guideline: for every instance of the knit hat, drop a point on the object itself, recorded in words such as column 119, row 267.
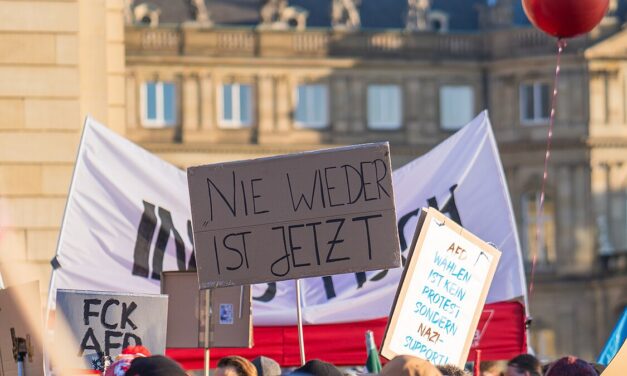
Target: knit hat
column 156, row 365
column 123, row 361
column 266, row 366
column 571, row 366
column 317, row 367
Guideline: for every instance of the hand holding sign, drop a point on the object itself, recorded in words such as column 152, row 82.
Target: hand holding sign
column 442, row 292
column 20, row 330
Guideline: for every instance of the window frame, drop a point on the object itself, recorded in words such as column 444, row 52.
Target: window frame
column 160, row 121
column 236, row 121
column 384, row 126
column 472, row 106
column 311, row 124
column 537, row 103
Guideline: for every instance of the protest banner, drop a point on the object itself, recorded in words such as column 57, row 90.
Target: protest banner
column 618, row 365
column 442, row 292
column 294, row 216
column 20, row 330
column 189, row 322
column 106, row 323
column 152, row 217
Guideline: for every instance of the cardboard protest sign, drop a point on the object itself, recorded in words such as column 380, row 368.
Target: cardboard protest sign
column 106, row 323
column 442, row 292
column 294, row 216
column 229, row 325
column 20, row 330
column 618, row 365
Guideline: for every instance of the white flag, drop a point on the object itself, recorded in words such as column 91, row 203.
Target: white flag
column 127, row 219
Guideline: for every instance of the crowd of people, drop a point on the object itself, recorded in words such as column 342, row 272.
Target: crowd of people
column 137, row 361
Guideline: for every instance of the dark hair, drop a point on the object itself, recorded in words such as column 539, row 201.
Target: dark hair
column 571, row 366
column 317, row 367
column 451, row 370
column 242, row 366
column 527, row 362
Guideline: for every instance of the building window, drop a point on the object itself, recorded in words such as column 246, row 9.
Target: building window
column 158, row 104
column 535, row 103
column 312, row 106
column 236, row 106
column 384, row 107
column 546, row 254
column 457, row 106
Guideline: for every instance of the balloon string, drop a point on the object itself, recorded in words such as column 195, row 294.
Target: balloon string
column 561, row 44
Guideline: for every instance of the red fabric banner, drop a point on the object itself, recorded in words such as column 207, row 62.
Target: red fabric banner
column 500, row 335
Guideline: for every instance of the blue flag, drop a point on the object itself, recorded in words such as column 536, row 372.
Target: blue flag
column 615, row 341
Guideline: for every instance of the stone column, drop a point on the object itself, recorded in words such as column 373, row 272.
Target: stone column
column 429, row 108
column 564, row 217
column 190, row 104
column 412, row 112
column 616, row 213
column 208, row 104
column 339, row 105
column 584, row 236
column 284, row 104
column 358, row 106
column 267, row 104
column 132, row 102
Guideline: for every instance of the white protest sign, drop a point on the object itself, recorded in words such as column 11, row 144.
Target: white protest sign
column 294, row 216
column 106, row 323
column 618, row 365
column 442, row 292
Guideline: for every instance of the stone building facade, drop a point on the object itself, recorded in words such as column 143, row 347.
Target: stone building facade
column 59, row 61
column 207, row 81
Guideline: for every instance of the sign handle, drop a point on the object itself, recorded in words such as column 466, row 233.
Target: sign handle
column 477, row 367
column 207, row 358
column 207, row 333
column 241, row 300
column 301, row 341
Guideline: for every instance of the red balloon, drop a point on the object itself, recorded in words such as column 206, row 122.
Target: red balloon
column 565, row 18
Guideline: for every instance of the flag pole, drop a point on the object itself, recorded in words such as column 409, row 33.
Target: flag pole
column 301, row 341
column 207, row 358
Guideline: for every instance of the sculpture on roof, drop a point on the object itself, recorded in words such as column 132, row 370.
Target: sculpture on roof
column 345, row 15
column 417, row 15
column 201, row 13
column 145, row 13
column 278, row 15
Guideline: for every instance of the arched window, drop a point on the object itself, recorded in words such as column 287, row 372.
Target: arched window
column 543, row 246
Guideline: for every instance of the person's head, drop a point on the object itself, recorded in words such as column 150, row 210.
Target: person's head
column 570, row 366
column 156, row 365
column 266, row 366
column 451, row 370
column 318, row 367
column 493, row 368
column 235, row 366
column 406, row 365
column 524, row 365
